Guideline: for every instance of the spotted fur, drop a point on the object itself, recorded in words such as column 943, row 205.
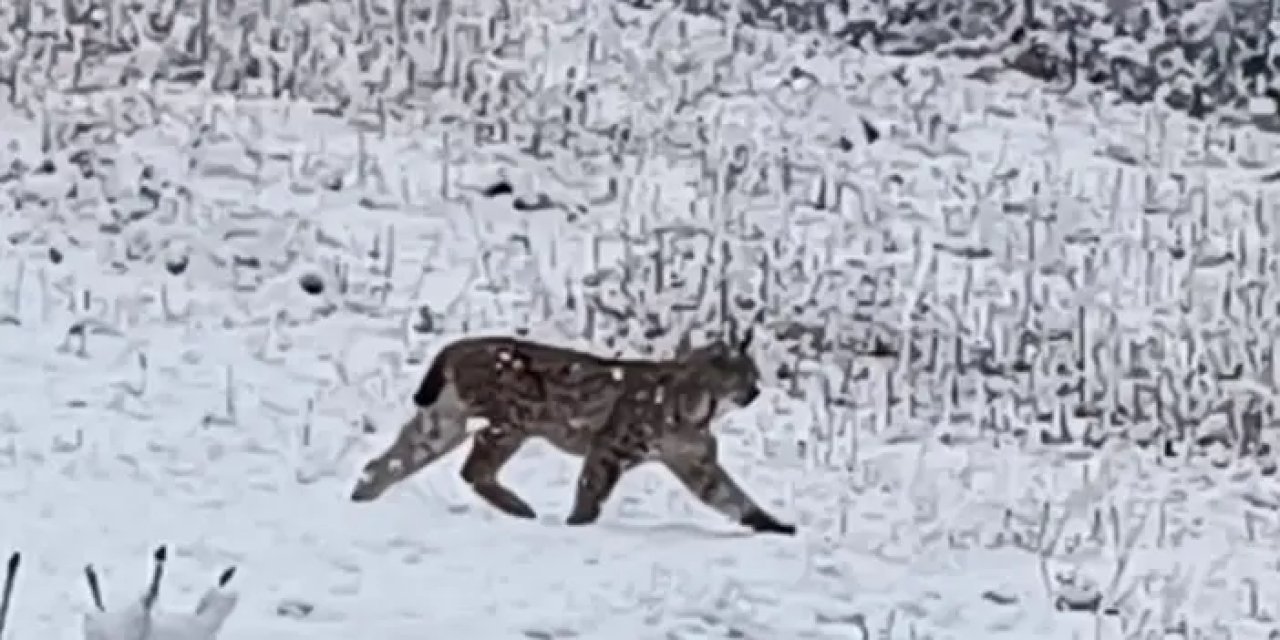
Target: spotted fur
column 615, row 413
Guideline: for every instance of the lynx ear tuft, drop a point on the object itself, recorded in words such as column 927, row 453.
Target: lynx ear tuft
column 685, row 345
column 750, row 333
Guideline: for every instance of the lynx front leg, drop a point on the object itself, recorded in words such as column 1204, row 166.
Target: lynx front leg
column 694, row 461
column 601, row 470
column 493, row 447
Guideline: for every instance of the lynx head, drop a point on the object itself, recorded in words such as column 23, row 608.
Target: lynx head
column 726, row 368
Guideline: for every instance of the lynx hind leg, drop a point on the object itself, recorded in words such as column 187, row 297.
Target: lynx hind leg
column 425, row 438
column 602, row 468
column 491, row 449
column 695, row 463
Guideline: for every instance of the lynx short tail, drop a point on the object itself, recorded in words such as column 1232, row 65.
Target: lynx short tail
column 432, row 385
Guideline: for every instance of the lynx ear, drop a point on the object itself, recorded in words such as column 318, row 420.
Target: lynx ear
column 729, row 334
column 747, row 336
column 685, row 345
column 750, row 333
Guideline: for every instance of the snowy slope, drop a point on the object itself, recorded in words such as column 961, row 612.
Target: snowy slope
column 237, row 445
column 104, row 460
column 915, row 540
column 229, row 422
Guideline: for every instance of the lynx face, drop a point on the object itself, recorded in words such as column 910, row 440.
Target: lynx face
column 726, row 372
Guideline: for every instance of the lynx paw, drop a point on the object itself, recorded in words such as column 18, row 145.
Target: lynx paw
column 761, row 522
column 579, row 518
column 502, row 499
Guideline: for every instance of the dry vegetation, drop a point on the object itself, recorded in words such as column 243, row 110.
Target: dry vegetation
column 942, row 262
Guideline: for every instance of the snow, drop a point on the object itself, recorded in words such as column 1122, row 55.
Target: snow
column 224, row 412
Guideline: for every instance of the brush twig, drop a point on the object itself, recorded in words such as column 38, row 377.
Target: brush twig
column 10, row 577
column 95, row 587
column 157, row 573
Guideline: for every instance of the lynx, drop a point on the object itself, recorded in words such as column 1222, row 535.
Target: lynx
column 615, row 413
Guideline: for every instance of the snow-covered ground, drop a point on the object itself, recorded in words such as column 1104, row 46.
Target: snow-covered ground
column 225, row 412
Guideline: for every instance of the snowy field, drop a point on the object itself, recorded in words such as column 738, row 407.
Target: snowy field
column 209, row 321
